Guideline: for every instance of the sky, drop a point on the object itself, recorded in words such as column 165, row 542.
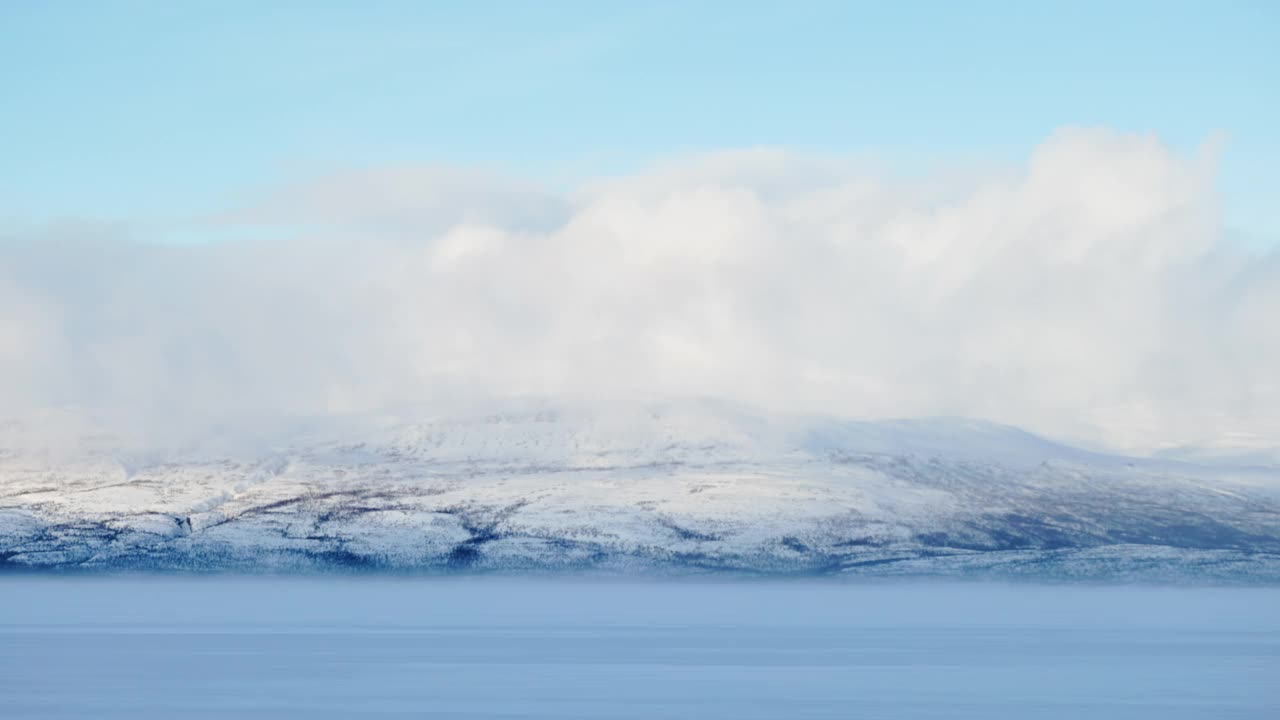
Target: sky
column 1058, row 215
column 151, row 110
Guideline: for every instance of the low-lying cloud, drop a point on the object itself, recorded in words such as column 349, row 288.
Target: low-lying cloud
column 1087, row 295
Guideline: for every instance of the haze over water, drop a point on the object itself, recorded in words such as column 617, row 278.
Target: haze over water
column 498, row 648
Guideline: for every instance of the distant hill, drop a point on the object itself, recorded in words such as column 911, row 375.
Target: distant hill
column 696, row 487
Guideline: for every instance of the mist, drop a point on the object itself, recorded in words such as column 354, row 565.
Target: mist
column 1090, row 294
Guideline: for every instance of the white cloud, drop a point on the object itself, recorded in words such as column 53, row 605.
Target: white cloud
column 1086, row 296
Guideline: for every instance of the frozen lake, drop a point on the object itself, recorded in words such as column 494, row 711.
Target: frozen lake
column 489, row 648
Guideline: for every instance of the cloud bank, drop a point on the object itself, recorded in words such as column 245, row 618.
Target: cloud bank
column 1086, row 295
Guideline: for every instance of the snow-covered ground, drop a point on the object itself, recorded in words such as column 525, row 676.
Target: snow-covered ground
column 693, row 487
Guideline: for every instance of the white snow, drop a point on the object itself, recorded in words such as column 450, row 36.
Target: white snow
column 698, row 484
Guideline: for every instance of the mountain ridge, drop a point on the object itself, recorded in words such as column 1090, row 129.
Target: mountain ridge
column 654, row 489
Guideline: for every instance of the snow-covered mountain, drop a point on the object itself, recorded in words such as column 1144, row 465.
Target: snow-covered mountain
column 663, row 488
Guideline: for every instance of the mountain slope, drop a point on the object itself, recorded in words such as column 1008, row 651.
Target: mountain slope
column 696, row 487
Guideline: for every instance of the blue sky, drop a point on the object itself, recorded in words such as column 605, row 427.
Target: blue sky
column 155, row 111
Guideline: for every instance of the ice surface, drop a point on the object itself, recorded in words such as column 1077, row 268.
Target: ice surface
column 489, row 648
